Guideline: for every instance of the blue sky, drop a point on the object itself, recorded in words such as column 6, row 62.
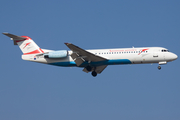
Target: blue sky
column 36, row 91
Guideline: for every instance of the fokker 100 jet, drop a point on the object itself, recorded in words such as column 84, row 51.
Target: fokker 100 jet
column 94, row 61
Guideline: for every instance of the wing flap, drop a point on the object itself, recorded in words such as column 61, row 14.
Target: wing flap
column 85, row 70
column 99, row 69
column 77, row 59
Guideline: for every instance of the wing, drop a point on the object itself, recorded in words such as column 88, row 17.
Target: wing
column 80, row 55
column 85, row 54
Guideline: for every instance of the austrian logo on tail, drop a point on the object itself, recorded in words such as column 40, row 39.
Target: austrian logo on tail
column 26, row 44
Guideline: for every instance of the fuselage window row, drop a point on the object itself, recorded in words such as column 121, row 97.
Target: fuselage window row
column 126, row 52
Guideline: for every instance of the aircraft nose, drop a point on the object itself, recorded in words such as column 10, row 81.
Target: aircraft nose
column 174, row 56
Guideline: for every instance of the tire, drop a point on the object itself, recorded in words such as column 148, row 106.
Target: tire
column 94, row 74
column 89, row 68
column 159, row 67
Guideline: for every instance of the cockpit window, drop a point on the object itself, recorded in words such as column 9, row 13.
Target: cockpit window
column 164, row 50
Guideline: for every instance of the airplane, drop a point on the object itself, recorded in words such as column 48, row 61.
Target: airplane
column 94, row 61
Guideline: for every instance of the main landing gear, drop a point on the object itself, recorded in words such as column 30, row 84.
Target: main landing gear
column 89, row 68
column 94, row 74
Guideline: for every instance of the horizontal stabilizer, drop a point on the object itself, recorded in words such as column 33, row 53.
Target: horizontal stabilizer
column 14, row 37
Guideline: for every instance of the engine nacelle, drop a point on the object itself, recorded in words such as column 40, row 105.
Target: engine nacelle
column 57, row 54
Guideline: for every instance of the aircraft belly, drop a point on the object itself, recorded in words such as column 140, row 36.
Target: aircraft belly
column 64, row 64
column 109, row 62
column 100, row 63
column 34, row 58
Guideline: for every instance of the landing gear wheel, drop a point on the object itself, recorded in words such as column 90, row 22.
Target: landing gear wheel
column 88, row 68
column 159, row 67
column 94, row 74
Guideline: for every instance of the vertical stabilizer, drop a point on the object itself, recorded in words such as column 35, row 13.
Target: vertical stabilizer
column 25, row 43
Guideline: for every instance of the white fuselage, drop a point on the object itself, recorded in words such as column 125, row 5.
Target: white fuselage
column 114, row 56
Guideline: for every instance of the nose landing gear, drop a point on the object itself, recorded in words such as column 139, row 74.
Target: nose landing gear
column 159, row 67
column 162, row 63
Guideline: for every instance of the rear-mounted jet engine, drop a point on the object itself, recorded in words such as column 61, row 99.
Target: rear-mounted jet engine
column 57, row 54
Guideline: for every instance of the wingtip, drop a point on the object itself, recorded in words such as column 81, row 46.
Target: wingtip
column 5, row 33
column 67, row 43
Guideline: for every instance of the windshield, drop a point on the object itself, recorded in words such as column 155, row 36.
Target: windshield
column 165, row 50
